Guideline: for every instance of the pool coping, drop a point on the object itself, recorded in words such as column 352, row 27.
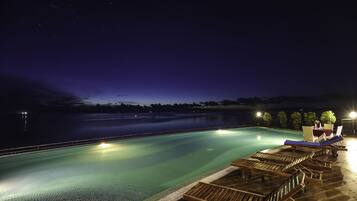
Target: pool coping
column 176, row 195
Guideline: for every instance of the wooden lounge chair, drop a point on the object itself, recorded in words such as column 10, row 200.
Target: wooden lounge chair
column 314, row 169
column 288, row 157
column 212, row 192
column 318, row 165
column 332, row 144
column 325, row 160
column 281, row 157
column 320, row 155
column 272, row 167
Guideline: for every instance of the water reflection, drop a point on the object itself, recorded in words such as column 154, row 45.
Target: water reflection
column 28, row 130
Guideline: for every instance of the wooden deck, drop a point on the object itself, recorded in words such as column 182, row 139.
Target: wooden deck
column 340, row 183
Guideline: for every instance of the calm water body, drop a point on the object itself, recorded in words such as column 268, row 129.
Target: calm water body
column 132, row 169
column 40, row 129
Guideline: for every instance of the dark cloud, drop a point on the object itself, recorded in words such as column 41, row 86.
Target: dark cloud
column 21, row 93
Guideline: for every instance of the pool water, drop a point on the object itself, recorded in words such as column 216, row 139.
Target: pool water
column 133, row 169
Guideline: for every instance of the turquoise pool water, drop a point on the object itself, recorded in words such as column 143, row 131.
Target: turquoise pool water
column 133, row 169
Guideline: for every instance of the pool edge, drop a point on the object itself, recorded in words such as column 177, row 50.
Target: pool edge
column 50, row 146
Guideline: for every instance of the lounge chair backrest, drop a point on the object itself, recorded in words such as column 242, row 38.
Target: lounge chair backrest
column 209, row 192
column 263, row 166
column 339, row 130
column 204, row 191
column 290, row 187
column 297, row 160
column 308, row 133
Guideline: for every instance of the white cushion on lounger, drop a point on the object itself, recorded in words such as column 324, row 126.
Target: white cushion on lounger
column 339, row 130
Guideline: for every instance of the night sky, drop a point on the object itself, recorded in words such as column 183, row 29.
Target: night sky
column 180, row 51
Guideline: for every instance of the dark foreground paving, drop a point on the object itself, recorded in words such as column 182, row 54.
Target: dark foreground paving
column 339, row 184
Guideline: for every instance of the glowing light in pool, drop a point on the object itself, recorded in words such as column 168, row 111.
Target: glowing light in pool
column 259, row 137
column 92, row 172
column 353, row 115
column 259, row 114
column 103, row 145
column 223, row 132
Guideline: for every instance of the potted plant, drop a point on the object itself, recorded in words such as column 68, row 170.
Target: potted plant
column 309, row 118
column 328, row 118
column 307, row 128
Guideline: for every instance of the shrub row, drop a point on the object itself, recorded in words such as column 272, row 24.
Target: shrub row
column 297, row 119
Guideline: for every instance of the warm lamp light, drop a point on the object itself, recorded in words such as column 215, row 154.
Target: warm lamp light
column 353, row 115
column 259, row 114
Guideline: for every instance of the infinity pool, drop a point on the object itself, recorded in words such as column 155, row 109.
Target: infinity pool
column 133, row 169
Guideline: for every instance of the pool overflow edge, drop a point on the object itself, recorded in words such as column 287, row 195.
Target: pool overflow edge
column 33, row 148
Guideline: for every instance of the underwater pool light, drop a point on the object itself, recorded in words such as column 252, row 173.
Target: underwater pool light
column 103, row 145
column 221, row 131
